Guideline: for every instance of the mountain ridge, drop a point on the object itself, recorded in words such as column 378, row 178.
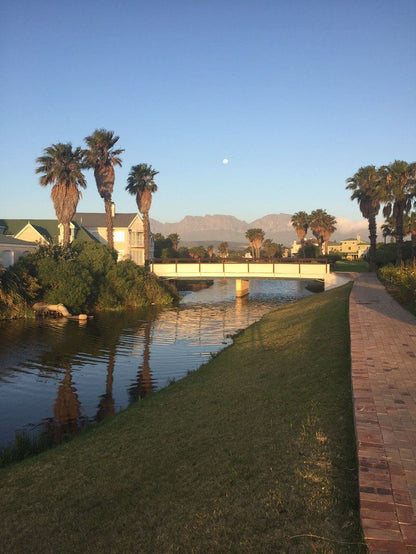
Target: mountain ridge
column 218, row 227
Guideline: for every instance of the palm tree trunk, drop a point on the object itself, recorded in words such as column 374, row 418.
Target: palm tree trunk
column 399, row 236
column 65, row 241
column 109, row 222
column 146, row 233
column 372, row 228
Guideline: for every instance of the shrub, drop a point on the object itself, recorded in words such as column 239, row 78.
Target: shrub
column 401, row 281
column 82, row 276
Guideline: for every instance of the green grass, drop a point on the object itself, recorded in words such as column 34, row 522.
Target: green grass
column 255, row 452
column 359, row 266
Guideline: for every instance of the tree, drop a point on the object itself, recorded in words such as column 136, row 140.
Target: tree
column 197, row 252
column 388, row 230
column 140, row 182
column 300, row 222
column 102, row 157
column 223, row 250
column 398, row 190
column 255, row 239
column 365, row 185
column 62, row 167
column 322, row 225
column 210, row 251
column 174, row 237
column 270, row 248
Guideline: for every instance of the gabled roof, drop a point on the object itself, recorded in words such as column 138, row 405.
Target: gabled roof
column 88, row 219
column 5, row 239
column 48, row 228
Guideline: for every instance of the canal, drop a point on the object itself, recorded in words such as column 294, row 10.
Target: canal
column 58, row 374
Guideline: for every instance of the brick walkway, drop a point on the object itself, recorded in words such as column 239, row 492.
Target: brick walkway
column 383, row 351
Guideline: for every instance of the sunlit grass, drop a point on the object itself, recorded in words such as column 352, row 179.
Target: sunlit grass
column 255, row 452
column 358, row 266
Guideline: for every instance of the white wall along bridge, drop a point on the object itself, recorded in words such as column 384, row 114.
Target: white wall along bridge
column 243, row 272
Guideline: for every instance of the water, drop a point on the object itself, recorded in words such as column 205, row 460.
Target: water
column 57, row 373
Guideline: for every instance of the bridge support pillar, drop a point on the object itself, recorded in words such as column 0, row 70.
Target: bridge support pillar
column 241, row 287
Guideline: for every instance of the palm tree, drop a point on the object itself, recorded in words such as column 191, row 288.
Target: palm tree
column 223, row 250
column 140, row 182
column 210, row 251
column 388, row 230
column 102, row 157
column 255, row 239
column 300, row 222
column 398, row 181
column 270, row 248
column 366, row 190
column 322, row 225
column 174, row 237
column 62, row 167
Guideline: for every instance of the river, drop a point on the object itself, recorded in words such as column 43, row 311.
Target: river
column 58, row 373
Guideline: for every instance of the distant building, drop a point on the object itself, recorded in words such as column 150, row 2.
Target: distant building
column 352, row 249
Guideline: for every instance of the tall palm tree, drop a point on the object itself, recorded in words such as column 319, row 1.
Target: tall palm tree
column 365, row 184
column 140, row 183
column 300, row 222
column 223, row 249
column 101, row 156
column 62, row 167
column 174, row 237
column 398, row 182
column 255, row 239
column 322, row 225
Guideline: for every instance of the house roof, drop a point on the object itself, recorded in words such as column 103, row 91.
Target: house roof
column 99, row 219
column 5, row 239
column 48, row 228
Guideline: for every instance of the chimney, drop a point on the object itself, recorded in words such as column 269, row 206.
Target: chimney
column 113, row 209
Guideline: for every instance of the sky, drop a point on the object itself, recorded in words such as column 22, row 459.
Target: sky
column 297, row 95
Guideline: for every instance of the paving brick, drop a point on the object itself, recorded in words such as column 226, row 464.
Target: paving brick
column 383, row 360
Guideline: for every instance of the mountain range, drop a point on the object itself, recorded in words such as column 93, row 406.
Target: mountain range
column 213, row 229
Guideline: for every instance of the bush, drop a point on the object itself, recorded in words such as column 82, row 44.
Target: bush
column 386, row 253
column 83, row 277
column 401, row 282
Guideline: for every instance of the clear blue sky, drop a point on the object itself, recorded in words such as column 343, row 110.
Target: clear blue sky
column 296, row 94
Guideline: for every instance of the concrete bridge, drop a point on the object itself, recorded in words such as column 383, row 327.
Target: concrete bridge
column 243, row 271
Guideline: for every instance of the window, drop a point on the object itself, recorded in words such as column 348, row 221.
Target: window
column 118, row 236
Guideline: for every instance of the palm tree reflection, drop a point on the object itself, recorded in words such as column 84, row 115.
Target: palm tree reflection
column 144, row 383
column 67, row 407
column 106, row 405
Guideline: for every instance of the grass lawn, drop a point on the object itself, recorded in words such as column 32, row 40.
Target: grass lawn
column 359, row 266
column 254, row 452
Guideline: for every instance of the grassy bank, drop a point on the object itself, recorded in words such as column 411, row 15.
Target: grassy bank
column 255, row 452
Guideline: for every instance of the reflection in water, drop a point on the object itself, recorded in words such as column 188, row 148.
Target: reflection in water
column 57, row 374
column 67, row 407
column 144, row 384
column 106, row 406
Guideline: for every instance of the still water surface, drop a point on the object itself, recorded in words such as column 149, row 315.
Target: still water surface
column 58, row 373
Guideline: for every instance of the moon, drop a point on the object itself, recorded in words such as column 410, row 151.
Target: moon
column 225, row 161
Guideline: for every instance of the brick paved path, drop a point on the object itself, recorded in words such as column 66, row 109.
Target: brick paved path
column 383, row 351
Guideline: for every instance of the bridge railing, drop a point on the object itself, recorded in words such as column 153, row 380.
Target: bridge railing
column 239, row 261
column 244, row 268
